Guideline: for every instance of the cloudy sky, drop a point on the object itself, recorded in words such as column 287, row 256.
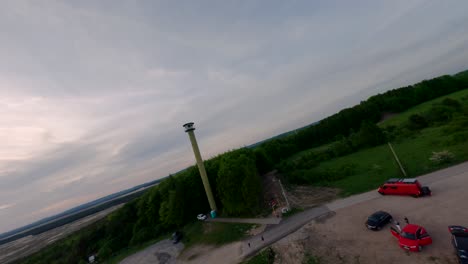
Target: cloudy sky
column 93, row 94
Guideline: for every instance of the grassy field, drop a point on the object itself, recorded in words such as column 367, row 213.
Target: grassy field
column 368, row 168
column 399, row 119
column 373, row 166
column 213, row 233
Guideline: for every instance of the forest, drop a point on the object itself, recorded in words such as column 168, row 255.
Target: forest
column 235, row 176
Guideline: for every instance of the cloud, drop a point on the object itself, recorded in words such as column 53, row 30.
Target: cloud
column 5, row 206
column 93, row 94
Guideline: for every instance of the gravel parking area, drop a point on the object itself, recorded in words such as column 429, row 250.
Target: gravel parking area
column 343, row 238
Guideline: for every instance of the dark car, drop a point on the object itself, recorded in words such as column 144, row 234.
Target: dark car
column 460, row 242
column 176, row 237
column 378, row 220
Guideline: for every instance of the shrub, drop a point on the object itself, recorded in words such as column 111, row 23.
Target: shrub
column 451, row 103
column 440, row 114
column 266, row 256
column 416, row 122
column 376, row 168
column 309, row 259
column 341, row 148
column 442, row 157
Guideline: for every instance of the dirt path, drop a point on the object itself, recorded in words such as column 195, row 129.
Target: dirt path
column 204, row 254
column 261, row 221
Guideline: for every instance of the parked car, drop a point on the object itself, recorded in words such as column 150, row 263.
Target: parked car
column 460, row 242
column 176, row 237
column 412, row 237
column 378, row 220
column 201, row 217
column 404, row 187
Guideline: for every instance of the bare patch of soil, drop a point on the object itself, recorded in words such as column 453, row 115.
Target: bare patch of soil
column 387, row 115
column 309, row 196
column 272, row 194
column 204, row 254
column 301, row 197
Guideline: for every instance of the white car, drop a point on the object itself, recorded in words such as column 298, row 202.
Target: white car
column 201, row 217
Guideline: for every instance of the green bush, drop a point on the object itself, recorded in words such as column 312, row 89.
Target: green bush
column 309, row 259
column 442, row 157
column 266, row 256
column 439, row 114
column 452, row 103
column 416, row 122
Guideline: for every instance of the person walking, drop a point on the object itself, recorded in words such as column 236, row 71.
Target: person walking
column 397, row 224
column 406, row 220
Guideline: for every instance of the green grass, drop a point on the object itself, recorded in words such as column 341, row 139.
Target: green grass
column 213, row 233
column 375, row 165
column 293, row 211
column 309, row 259
column 401, row 118
column 366, row 169
column 311, row 150
column 266, row 256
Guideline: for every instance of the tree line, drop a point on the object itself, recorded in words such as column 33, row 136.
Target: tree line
column 361, row 119
column 164, row 208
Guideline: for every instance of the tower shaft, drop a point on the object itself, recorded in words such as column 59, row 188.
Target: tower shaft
column 201, row 168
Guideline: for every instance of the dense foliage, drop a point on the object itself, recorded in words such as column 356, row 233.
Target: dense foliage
column 424, row 140
column 347, row 121
column 169, row 206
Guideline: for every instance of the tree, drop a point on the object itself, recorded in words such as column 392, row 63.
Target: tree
column 239, row 185
column 440, row 113
column 417, row 122
column 262, row 161
column 172, row 209
column 368, row 136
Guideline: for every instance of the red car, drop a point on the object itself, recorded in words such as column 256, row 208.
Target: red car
column 404, row 187
column 412, row 237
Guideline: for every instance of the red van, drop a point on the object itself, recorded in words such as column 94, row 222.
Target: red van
column 404, row 187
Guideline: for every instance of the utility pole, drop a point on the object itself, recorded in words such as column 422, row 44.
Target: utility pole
column 284, row 195
column 189, row 128
column 397, row 160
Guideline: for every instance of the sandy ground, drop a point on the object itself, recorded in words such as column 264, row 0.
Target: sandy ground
column 163, row 252
column 343, row 238
column 204, row 254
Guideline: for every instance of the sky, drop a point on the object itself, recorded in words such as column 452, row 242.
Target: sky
column 93, row 94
